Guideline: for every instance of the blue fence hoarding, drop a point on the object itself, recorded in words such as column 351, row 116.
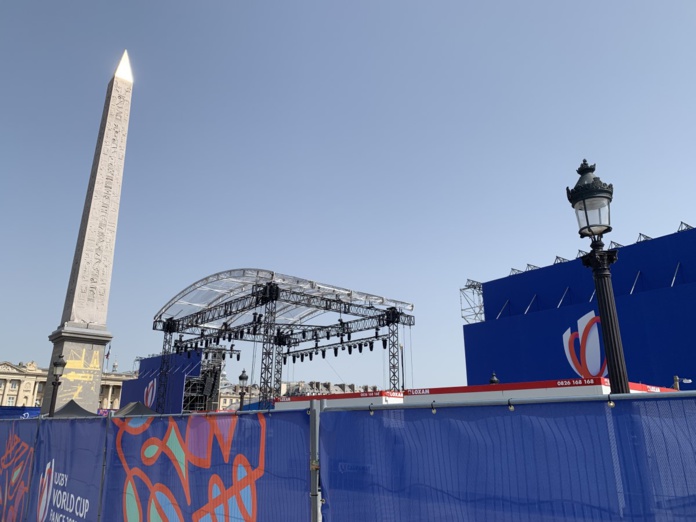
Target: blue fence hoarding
column 208, row 468
column 573, row 462
column 17, row 441
column 544, row 324
column 634, row 460
column 67, row 471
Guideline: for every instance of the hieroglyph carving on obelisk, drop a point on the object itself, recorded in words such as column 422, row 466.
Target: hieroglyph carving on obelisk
column 82, row 334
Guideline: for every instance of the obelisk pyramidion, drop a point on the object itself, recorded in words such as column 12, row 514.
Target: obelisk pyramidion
column 82, row 334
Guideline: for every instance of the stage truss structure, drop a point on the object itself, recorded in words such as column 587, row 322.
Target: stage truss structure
column 293, row 319
column 471, row 302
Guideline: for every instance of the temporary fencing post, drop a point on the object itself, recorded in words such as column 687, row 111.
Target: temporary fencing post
column 314, row 495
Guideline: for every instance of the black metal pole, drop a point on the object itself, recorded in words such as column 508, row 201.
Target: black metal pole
column 54, row 396
column 241, row 400
column 600, row 260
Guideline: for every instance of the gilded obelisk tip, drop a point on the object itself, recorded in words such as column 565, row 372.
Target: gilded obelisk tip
column 123, row 70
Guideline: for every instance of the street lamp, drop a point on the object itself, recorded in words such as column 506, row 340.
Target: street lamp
column 243, row 378
column 678, row 380
column 58, row 367
column 591, row 199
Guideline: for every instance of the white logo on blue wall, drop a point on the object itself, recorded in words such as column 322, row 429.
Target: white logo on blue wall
column 582, row 348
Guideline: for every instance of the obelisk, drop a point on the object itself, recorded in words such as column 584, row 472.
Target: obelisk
column 82, row 333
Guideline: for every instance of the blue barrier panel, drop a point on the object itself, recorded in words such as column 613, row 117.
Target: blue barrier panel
column 17, row 440
column 67, row 470
column 540, row 462
column 658, row 454
column 18, row 412
column 208, row 468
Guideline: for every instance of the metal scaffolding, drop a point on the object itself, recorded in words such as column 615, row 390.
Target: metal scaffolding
column 251, row 305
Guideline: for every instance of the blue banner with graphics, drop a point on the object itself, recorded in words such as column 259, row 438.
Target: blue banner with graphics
column 208, row 468
column 144, row 388
column 19, row 412
column 67, row 471
column 17, row 439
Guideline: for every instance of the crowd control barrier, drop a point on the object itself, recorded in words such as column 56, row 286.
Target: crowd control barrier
column 624, row 458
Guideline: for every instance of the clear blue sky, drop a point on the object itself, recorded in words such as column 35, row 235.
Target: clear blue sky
column 393, row 147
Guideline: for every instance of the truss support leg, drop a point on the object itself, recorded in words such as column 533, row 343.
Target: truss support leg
column 394, row 358
column 162, row 378
column 267, row 383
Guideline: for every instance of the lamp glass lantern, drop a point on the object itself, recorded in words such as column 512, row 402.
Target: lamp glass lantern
column 58, row 366
column 243, row 378
column 591, row 199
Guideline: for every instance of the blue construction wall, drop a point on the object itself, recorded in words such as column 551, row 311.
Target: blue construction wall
column 527, row 315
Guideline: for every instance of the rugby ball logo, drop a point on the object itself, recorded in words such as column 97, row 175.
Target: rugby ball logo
column 45, row 490
column 150, row 392
column 585, row 356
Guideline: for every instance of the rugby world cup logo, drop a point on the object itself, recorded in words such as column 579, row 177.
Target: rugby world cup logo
column 45, row 490
column 149, row 396
column 582, row 348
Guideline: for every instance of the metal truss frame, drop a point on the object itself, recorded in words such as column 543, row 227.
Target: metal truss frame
column 275, row 313
column 471, row 301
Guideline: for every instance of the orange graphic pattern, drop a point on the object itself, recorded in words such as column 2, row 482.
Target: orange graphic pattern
column 227, row 496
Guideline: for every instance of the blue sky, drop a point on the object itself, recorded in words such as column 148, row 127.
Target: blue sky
column 395, row 147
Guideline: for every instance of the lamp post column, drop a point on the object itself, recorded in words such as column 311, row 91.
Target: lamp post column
column 54, row 395
column 600, row 260
column 243, row 378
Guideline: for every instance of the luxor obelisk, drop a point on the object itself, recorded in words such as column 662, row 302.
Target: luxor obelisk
column 82, row 334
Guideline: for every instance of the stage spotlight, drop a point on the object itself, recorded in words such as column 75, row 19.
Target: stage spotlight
column 384, row 344
column 302, row 358
column 310, row 356
column 372, row 345
column 223, row 356
column 238, row 356
column 343, row 347
column 217, row 340
column 328, row 335
column 360, row 348
column 304, row 334
column 294, row 358
column 335, row 352
column 285, row 359
column 323, row 354
column 350, row 350
column 259, row 318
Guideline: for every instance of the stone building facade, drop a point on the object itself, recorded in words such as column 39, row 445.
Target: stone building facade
column 25, row 385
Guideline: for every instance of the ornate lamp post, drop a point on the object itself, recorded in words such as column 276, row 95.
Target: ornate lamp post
column 591, row 199
column 243, row 378
column 58, row 367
